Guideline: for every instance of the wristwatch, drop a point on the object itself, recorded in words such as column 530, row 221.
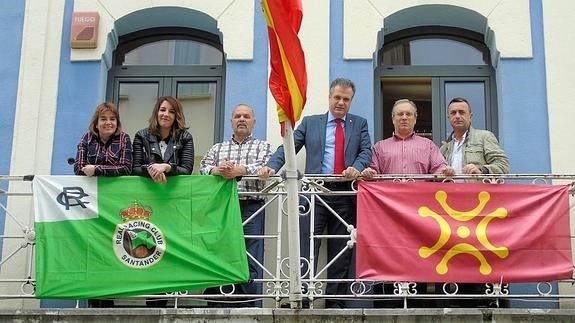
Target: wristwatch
column 484, row 170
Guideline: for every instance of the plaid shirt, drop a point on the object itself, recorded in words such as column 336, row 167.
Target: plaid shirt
column 114, row 158
column 251, row 153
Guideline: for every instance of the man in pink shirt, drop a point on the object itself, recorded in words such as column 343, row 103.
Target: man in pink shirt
column 405, row 152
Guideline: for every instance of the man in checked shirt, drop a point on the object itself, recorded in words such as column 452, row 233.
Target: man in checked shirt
column 243, row 155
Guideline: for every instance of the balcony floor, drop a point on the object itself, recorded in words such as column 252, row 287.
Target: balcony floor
column 286, row 315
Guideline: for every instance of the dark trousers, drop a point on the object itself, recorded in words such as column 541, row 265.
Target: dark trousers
column 255, row 247
column 443, row 302
column 388, row 288
column 325, row 220
column 470, row 289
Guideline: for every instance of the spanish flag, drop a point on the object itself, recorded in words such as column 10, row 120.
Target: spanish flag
column 463, row 232
column 288, row 77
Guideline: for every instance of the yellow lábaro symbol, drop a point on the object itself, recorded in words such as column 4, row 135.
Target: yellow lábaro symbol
column 463, row 232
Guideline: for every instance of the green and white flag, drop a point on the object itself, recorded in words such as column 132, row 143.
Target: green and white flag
column 124, row 236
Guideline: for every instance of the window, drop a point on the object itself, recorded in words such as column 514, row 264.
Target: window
column 430, row 66
column 184, row 63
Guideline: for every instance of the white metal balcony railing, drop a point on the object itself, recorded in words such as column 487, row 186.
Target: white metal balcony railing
column 17, row 266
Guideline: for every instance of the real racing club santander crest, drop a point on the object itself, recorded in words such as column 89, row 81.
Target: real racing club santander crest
column 138, row 243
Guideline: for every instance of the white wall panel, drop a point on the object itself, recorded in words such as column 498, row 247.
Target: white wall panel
column 235, row 20
column 559, row 27
column 509, row 19
column 34, row 120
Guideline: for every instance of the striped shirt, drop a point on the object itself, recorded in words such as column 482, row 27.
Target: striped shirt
column 251, row 153
column 114, row 158
column 412, row 155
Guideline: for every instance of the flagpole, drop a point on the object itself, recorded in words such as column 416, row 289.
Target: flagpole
column 288, row 85
column 295, row 295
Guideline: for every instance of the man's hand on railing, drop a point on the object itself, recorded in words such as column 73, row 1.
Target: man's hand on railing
column 368, row 173
column 228, row 170
column 350, row 173
column 265, row 172
column 448, row 171
column 472, row 169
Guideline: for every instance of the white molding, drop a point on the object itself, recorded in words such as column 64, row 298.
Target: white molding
column 34, row 121
column 509, row 20
column 558, row 27
column 235, row 19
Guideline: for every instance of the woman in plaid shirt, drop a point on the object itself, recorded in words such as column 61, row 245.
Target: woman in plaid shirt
column 105, row 150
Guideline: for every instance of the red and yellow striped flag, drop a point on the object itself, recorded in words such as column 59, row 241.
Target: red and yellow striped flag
column 288, row 77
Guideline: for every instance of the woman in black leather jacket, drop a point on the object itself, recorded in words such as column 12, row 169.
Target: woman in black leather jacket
column 166, row 147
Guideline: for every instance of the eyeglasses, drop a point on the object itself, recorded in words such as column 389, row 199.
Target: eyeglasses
column 401, row 114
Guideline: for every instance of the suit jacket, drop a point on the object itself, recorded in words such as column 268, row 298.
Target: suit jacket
column 311, row 134
column 179, row 154
column 480, row 148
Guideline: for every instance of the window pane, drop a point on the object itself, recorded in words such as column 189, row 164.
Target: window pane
column 135, row 104
column 416, row 89
column 395, row 55
column 474, row 92
column 434, row 51
column 199, row 102
column 174, row 52
column 444, row 52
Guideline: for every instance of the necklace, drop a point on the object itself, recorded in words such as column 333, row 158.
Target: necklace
column 163, row 147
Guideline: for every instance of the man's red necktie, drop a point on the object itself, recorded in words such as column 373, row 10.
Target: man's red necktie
column 339, row 161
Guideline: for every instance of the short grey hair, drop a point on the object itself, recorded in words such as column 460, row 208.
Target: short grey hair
column 400, row 101
column 252, row 112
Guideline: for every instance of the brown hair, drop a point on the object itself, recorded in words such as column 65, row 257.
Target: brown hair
column 179, row 125
column 101, row 108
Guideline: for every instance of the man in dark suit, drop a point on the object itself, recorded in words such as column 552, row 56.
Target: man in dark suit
column 317, row 133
